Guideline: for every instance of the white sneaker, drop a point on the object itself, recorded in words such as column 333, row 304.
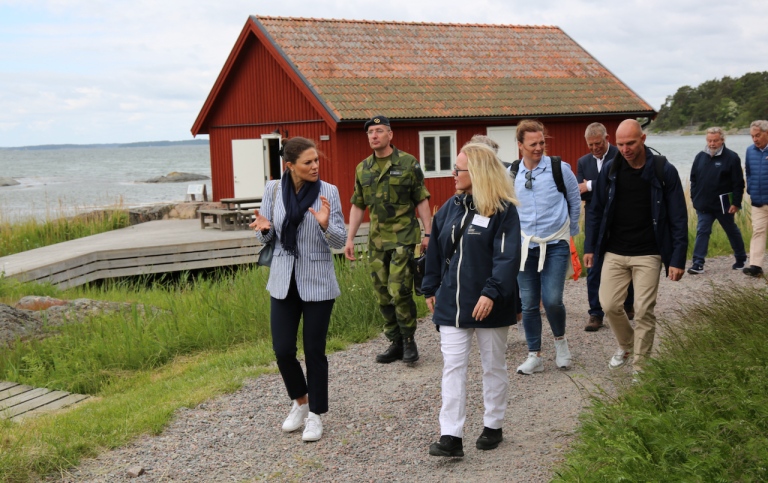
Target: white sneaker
column 563, row 355
column 531, row 365
column 313, row 428
column 296, row 417
column 619, row 358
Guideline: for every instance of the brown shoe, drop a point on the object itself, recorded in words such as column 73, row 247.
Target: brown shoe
column 594, row 323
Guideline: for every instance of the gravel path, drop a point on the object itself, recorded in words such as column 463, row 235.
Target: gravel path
column 383, row 417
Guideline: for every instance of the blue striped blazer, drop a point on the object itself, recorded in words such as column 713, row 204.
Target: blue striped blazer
column 315, row 275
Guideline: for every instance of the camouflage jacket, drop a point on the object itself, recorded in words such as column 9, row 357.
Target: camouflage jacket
column 391, row 197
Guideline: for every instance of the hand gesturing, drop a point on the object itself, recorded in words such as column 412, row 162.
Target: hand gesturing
column 260, row 223
column 324, row 214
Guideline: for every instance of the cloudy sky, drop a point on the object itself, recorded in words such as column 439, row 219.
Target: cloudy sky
column 106, row 71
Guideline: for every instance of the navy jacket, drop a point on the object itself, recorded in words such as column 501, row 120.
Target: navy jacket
column 486, row 262
column 712, row 176
column 586, row 169
column 670, row 216
column 756, row 163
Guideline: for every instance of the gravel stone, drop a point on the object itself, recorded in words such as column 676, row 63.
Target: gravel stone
column 383, row 417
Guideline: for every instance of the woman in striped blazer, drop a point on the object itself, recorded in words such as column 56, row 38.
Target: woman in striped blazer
column 306, row 220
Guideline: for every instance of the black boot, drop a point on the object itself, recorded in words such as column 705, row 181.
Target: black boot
column 393, row 353
column 410, row 352
column 489, row 439
column 447, row 446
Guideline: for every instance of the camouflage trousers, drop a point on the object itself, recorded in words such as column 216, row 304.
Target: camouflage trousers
column 392, row 273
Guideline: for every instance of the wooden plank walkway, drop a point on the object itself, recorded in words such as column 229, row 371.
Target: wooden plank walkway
column 18, row 401
column 152, row 247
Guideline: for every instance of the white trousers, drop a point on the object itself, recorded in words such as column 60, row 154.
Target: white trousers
column 455, row 344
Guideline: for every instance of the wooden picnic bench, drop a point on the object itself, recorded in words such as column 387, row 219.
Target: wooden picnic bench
column 225, row 219
column 242, row 203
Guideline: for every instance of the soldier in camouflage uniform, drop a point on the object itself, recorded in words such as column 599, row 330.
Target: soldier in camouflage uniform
column 391, row 185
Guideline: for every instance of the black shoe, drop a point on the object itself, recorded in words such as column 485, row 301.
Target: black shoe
column 630, row 311
column 753, row 271
column 393, row 353
column 410, row 352
column 594, row 324
column 447, row 446
column 696, row 269
column 489, row 439
column 739, row 265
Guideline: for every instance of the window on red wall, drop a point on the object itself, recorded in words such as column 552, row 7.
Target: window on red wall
column 437, row 150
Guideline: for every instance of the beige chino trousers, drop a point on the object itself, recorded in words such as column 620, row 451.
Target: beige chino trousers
column 759, row 227
column 643, row 272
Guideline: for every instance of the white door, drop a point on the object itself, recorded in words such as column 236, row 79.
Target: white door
column 505, row 138
column 248, row 167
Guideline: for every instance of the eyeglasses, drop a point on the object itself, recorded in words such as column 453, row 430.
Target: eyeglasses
column 377, row 131
column 457, row 170
column 528, row 180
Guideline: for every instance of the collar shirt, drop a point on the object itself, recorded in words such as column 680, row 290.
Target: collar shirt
column 543, row 210
column 600, row 162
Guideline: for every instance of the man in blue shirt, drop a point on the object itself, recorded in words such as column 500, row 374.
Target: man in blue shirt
column 756, row 163
column 547, row 221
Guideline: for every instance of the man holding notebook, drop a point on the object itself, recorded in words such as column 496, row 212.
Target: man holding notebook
column 717, row 186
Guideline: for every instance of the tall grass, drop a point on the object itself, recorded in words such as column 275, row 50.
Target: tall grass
column 29, row 234
column 701, row 410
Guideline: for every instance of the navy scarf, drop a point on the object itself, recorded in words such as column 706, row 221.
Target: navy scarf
column 296, row 205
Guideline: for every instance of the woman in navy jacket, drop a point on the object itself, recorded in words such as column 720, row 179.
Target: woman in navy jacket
column 472, row 289
column 307, row 222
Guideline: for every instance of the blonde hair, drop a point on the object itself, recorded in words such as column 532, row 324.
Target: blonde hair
column 491, row 184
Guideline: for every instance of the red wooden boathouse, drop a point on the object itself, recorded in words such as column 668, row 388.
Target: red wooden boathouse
column 439, row 84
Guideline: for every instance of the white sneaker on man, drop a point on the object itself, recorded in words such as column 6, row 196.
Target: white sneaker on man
column 296, row 417
column 313, row 428
column 619, row 358
column 562, row 354
column 531, row 365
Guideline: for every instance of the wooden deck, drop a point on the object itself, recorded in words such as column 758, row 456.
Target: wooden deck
column 18, row 401
column 152, row 247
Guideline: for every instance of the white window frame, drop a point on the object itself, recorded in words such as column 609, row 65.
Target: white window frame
column 436, row 134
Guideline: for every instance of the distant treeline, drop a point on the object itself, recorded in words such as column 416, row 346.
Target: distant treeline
column 728, row 103
column 145, row 144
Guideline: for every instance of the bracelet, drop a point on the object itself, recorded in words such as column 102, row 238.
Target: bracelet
column 426, row 235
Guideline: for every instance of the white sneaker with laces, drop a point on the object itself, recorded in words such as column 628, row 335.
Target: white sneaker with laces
column 619, row 358
column 296, row 417
column 313, row 428
column 531, row 365
column 562, row 354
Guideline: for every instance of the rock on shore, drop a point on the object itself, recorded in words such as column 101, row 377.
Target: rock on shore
column 8, row 182
column 177, row 177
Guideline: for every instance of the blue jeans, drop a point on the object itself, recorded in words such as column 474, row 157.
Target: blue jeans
column 704, row 229
column 593, row 290
column 545, row 286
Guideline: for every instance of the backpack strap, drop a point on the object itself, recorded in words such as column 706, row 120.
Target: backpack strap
column 658, row 163
column 557, row 174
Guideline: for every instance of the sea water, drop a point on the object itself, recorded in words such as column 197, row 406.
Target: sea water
column 57, row 182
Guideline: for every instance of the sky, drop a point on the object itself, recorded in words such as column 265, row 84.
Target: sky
column 115, row 71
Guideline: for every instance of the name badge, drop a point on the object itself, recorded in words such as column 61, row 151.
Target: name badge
column 480, row 220
column 396, row 173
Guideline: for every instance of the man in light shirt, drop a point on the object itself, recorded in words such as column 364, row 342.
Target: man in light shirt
column 587, row 170
column 756, row 164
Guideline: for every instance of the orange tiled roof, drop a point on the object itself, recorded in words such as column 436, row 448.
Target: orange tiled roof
column 418, row 70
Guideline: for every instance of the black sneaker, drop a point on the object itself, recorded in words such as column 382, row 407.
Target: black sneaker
column 410, row 352
column 753, row 271
column 696, row 269
column 447, row 446
column 489, row 439
column 393, row 353
column 738, row 265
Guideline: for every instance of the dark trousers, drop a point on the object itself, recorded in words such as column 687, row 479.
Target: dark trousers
column 284, row 322
column 593, row 289
column 704, row 230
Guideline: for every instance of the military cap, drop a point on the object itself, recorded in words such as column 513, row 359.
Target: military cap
column 376, row 121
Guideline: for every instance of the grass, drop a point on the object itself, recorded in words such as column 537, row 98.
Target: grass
column 209, row 335
column 30, row 234
column 701, row 410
